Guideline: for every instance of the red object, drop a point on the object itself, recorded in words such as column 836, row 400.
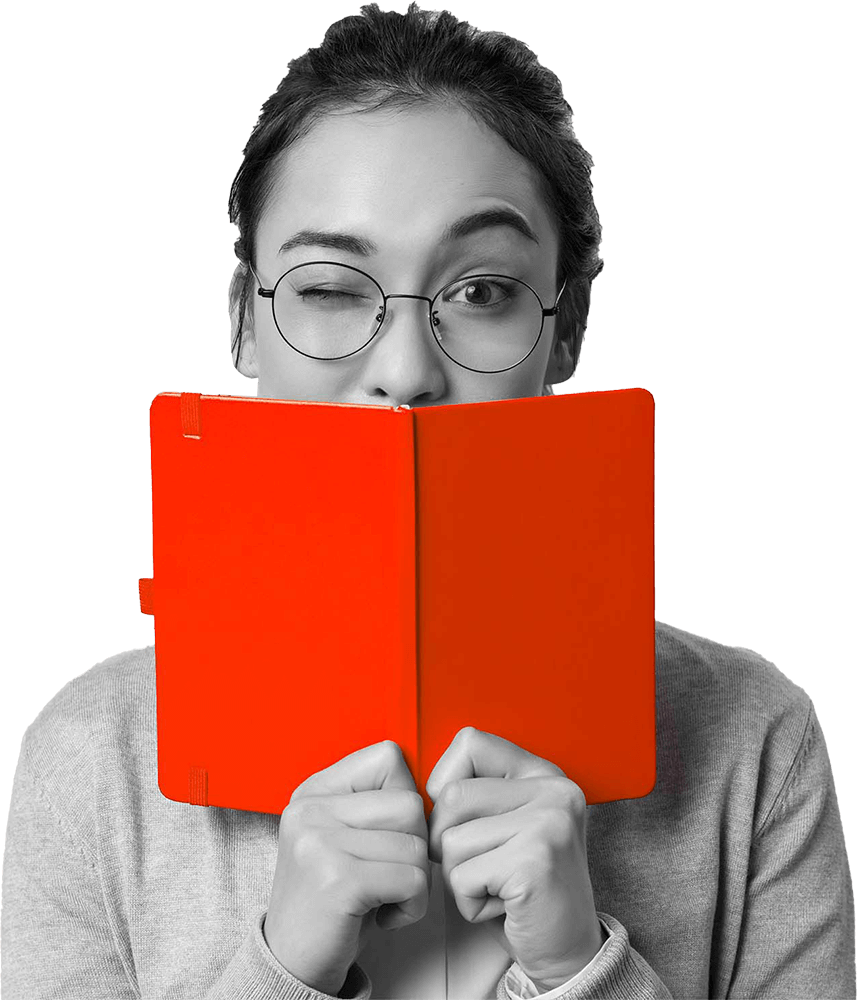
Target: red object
column 328, row 575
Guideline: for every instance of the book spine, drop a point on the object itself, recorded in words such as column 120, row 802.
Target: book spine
column 407, row 545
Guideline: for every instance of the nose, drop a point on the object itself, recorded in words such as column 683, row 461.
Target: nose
column 404, row 364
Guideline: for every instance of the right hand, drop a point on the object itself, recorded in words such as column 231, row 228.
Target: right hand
column 353, row 849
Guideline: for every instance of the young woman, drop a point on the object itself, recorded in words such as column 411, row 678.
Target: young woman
column 411, row 160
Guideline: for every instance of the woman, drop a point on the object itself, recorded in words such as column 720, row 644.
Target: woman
column 406, row 153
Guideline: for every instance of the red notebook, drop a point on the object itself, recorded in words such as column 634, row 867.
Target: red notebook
column 326, row 576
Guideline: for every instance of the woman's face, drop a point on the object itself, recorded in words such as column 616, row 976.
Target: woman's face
column 397, row 180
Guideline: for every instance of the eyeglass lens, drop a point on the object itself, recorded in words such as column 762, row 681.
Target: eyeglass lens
column 486, row 322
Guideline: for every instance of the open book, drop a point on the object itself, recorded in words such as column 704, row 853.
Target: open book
column 327, row 576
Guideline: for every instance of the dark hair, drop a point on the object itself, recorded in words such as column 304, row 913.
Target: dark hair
column 378, row 59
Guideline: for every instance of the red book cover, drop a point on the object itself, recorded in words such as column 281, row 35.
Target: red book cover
column 328, row 575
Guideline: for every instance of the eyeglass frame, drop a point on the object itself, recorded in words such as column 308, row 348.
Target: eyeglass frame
column 269, row 293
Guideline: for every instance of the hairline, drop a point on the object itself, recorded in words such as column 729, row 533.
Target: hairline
column 402, row 101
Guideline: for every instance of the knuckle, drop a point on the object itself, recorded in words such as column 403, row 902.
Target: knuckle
column 451, row 794
column 304, row 788
column 333, row 876
column 294, row 817
column 456, row 880
column 419, row 847
column 412, row 805
column 555, row 826
column 543, row 854
column 565, row 793
column 391, row 752
column 574, row 797
column 468, row 735
column 308, row 847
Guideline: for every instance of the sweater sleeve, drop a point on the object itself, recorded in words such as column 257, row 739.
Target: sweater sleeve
column 254, row 974
column 57, row 936
column 519, row 986
column 797, row 934
column 618, row 972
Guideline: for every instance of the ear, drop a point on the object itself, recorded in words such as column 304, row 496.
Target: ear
column 243, row 333
column 561, row 362
column 569, row 327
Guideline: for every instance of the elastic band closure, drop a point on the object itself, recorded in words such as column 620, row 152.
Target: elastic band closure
column 191, row 411
column 198, row 786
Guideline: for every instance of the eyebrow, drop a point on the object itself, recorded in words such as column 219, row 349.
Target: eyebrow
column 490, row 218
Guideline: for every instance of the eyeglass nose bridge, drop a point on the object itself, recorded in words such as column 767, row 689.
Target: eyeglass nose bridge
column 397, row 295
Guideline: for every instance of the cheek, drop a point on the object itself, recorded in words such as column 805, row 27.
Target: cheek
column 270, row 348
column 525, row 380
column 274, row 354
column 531, row 374
column 279, row 367
column 284, row 373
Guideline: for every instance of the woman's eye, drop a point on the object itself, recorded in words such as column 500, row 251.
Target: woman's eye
column 325, row 293
column 478, row 292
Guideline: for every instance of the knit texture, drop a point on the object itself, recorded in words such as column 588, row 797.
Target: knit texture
column 729, row 880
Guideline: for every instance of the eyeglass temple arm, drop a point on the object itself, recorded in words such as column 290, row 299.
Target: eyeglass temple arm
column 553, row 312
column 266, row 293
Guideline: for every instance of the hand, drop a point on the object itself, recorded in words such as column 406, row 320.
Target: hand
column 510, row 830
column 352, row 849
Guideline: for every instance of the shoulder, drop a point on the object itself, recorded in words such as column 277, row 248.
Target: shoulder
column 732, row 712
column 725, row 682
column 111, row 705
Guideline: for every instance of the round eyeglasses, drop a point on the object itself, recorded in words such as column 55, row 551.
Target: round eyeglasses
column 483, row 322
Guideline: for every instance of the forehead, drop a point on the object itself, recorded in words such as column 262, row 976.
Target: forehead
column 400, row 174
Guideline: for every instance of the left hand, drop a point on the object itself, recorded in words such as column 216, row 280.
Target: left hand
column 514, row 851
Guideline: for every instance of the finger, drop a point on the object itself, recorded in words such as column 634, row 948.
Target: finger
column 470, row 798
column 476, row 837
column 394, row 809
column 380, row 765
column 393, row 848
column 483, row 885
column 383, row 845
column 403, row 891
column 477, row 754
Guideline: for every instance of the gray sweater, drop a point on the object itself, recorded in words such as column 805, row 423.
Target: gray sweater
column 729, row 880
